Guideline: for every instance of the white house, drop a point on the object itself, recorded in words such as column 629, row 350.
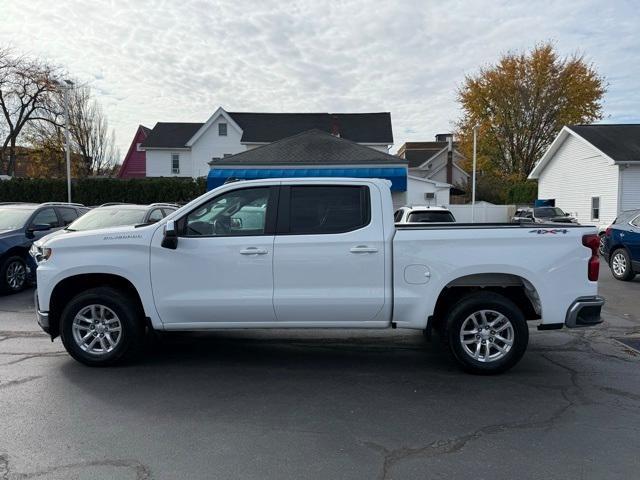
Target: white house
column 592, row 171
column 185, row 149
column 439, row 161
column 424, row 191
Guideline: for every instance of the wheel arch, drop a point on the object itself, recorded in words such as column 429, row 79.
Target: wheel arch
column 512, row 286
column 17, row 250
column 70, row 286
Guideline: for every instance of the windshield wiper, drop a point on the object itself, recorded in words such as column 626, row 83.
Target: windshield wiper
column 70, row 229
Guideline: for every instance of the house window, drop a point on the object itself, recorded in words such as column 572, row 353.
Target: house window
column 222, row 129
column 595, row 208
column 175, row 163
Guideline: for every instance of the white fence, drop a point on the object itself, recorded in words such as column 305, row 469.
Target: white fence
column 484, row 213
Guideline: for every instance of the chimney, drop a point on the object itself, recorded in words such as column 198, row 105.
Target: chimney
column 443, row 137
column 335, row 126
column 450, row 159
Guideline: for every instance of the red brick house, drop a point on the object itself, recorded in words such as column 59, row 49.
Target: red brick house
column 135, row 163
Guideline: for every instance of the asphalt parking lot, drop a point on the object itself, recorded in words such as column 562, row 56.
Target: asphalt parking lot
column 322, row 404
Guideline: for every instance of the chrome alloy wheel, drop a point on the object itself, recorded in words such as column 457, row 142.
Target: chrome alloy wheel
column 619, row 264
column 97, row 329
column 16, row 275
column 487, row 336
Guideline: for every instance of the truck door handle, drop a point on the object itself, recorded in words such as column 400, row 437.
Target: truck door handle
column 363, row 249
column 253, row 251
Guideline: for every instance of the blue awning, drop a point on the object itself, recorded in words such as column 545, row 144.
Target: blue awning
column 397, row 175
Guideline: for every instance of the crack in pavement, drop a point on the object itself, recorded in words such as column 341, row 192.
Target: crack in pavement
column 19, row 381
column 392, row 457
column 142, row 471
column 11, row 334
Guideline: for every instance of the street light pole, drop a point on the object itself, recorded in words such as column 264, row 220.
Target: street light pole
column 67, row 140
column 67, row 134
column 473, row 181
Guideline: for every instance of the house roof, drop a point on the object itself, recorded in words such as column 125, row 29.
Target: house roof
column 358, row 127
column 171, row 135
column 134, row 164
column 313, row 147
column 618, row 143
column 417, row 153
column 374, row 128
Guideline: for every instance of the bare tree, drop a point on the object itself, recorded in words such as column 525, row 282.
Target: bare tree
column 25, row 89
column 94, row 142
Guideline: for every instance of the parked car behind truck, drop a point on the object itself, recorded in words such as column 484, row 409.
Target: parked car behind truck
column 621, row 245
column 423, row 214
column 542, row 215
column 20, row 225
column 325, row 254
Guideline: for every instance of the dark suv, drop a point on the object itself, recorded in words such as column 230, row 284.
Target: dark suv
column 20, row 225
column 621, row 246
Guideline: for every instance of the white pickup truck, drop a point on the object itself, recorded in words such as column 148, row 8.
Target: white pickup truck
column 315, row 253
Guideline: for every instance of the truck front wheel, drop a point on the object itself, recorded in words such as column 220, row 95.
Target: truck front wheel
column 487, row 333
column 101, row 327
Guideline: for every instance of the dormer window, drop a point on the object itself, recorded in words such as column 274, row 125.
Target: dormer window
column 222, row 129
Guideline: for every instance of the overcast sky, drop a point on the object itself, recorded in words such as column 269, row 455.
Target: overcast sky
column 178, row 60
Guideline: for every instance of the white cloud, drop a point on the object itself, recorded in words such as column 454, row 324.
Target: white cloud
column 178, row 60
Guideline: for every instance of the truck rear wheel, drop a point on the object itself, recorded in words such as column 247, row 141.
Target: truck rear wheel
column 101, row 327
column 487, row 333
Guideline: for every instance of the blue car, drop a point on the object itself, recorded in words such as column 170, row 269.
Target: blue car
column 622, row 245
column 20, row 225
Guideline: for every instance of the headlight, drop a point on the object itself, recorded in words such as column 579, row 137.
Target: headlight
column 40, row 254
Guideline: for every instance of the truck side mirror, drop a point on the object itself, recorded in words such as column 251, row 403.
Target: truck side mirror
column 170, row 236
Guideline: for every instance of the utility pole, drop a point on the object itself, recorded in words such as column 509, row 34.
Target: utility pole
column 473, row 174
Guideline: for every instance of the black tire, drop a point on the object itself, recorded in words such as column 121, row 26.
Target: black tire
column 488, row 302
column 128, row 314
column 601, row 245
column 621, row 255
column 8, row 269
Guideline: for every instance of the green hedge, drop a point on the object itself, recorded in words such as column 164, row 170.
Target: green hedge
column 96, row 191
column 522, row 192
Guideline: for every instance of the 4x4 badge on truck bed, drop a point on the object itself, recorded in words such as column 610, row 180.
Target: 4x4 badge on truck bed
column 553, row 231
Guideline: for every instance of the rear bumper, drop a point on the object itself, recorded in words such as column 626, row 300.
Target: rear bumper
column 42, row 317
column 584, row 312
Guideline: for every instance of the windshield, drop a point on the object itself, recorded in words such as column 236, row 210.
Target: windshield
column 431, row 217
column 545, row 212
column 13, row 218
column 106, row 218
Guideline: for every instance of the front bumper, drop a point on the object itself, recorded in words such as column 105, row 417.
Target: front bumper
column 42, row 317
column 584, row 312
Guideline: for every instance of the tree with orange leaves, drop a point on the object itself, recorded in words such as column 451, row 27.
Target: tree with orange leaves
column 519, row 106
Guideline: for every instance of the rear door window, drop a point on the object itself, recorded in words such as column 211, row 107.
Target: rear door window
column 67, row 215
column 327, row 209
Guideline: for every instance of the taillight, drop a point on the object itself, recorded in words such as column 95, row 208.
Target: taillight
column 593, row 269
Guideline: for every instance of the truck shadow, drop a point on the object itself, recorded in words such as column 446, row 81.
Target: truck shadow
column 204, row 370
